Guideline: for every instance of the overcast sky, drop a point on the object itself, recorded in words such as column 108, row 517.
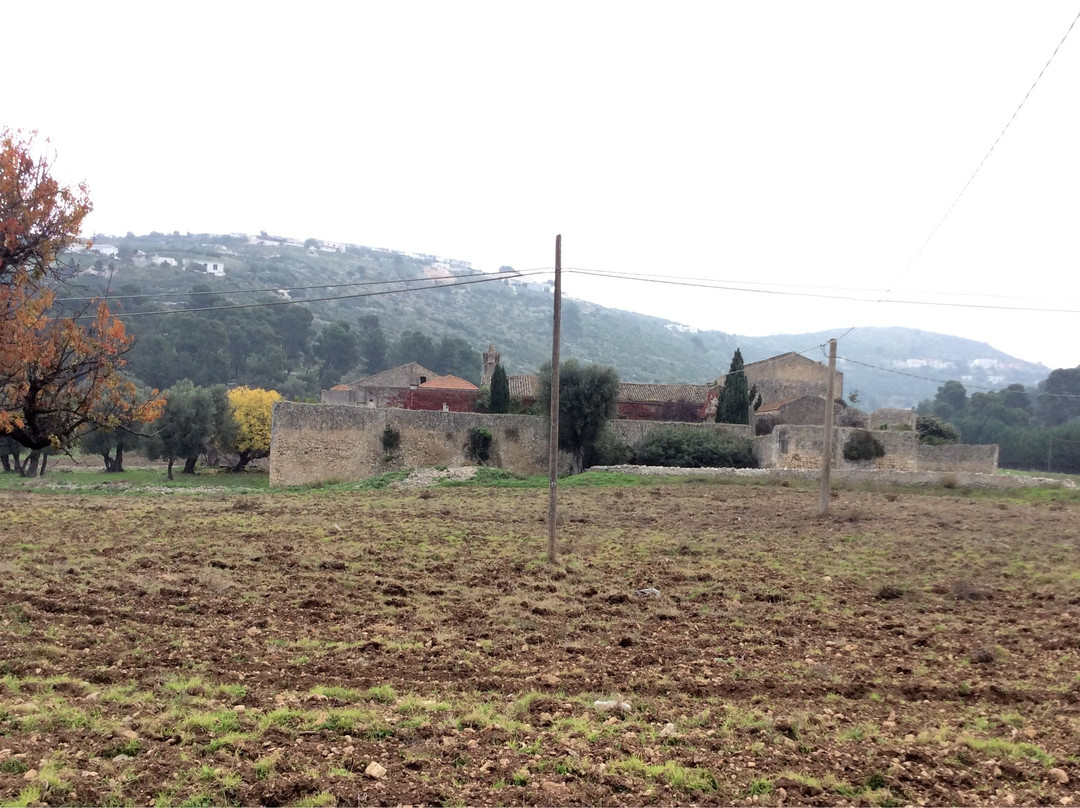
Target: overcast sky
column 789, row 143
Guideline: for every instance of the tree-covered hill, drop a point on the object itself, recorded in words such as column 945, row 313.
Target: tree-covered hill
column 280, row 345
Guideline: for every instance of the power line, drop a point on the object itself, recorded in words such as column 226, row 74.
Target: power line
column 724, row 288
column 978, row 168
column 783, row 286
column 280, row 289
column 269, row 303
column 943, row 381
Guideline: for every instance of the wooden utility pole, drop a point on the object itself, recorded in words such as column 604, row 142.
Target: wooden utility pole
column 827, row 443
column 553, row 441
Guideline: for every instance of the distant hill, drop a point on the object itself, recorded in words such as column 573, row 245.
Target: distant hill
column 516, row 315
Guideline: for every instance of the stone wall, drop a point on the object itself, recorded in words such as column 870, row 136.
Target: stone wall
column 957, row 457
column 634, row 432
column 313, row 443
column 892, row 417
column 792, row 376
column 800, row 447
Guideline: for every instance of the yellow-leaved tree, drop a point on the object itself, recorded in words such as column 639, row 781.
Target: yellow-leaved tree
column 251, row 409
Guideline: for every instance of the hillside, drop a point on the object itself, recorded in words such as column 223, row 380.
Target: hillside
column 515, row 315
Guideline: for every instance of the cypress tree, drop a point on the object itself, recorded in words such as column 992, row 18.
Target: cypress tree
column 733, row 406
column 500, row 391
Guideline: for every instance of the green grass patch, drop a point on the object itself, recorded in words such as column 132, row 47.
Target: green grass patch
column 1003, row 748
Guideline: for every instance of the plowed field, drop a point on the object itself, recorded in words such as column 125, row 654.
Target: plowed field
column 194, row 650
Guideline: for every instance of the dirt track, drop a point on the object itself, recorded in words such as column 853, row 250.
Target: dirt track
column 192, row 650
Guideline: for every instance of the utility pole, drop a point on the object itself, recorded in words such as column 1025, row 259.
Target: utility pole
column 553, row 440
column 827, row 443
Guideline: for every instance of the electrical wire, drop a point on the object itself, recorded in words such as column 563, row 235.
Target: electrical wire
column 724, row 288
column 943, row 381
column 269, row 303
column 280, row 289
column 978, row 168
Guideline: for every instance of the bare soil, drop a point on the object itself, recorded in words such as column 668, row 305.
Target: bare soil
column 266, row 649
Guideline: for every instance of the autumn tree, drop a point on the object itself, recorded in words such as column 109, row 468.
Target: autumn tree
column 118, row 433
column 251, row 409
column 59, row 370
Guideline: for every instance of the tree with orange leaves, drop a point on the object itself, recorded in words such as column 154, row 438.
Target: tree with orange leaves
column 59, row 371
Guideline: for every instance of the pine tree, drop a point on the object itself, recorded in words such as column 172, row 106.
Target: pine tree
column 733, row 406
column 500, row 391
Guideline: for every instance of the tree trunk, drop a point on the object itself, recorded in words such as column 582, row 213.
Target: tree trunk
column 189, row 464
column 241, row 464
column 30, row 467
column 118, row 463
column 170, row 468
column 6, row 461
column 108, row 461
column 579, row 460
column 44, row 464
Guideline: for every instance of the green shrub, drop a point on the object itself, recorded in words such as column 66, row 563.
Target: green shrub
column 608, row 450
column 479, row 445
column 934, row 431
column 391, row 440
column 862, row 445
column 687, row 447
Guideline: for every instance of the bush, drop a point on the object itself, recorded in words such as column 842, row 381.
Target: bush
column 391, row 440
column 479, row 446
column 608, row 450
column 765, row 424
column 695, row 448
column 862, row 445
column 934, row 431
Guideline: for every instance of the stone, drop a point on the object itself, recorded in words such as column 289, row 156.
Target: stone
column 611, row 706
column 1058, row 776
column 668, row 731
column 554, row 789
column 30, row 774
column 375, row 771
column 549, row 679
column 130, row 734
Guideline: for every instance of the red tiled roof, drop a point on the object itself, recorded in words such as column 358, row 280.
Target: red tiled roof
column 773, row 406
column 524, row 386
column 659, row 393
column 448, row 383
column 341, row 387
column 402, row 376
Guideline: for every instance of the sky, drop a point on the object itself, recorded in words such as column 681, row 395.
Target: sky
column 809, row 149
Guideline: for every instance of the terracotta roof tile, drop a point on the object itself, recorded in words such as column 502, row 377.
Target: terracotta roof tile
column 401, row 376
column 448, row 383
column 659, row 393
column 524, row 386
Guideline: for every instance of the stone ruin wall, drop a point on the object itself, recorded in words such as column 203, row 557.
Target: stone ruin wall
column 893, row 417
column 634, row 432
column 313, row 443
column 800, row 447
column 785, row 377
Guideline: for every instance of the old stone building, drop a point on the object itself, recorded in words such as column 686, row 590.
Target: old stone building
column 446, row 393
column 383, row 389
